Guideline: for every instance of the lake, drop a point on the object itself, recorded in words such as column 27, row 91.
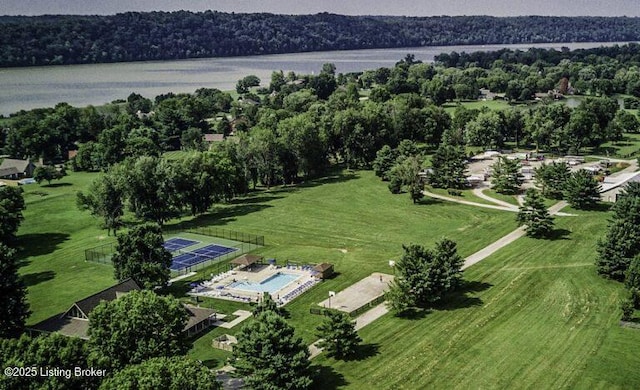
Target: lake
column 82, row 85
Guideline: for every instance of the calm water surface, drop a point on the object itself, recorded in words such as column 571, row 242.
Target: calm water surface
column 81, row 85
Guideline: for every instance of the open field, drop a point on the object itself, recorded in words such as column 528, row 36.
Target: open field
column 535, row 315
column 52, row 238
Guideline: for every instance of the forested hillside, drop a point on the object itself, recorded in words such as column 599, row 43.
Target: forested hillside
column 49, row 40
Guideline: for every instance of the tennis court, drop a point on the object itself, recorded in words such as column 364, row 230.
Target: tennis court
column 186, row 259
column 176, row 243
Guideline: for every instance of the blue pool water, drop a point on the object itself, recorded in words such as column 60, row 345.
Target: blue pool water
column 271, row 284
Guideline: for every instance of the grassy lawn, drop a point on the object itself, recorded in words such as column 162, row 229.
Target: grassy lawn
column 536, row 315
column 350, row 220
column 52, row 238
column 627, row 148
column 478, row 104
column 511, row 199
column 467, row 195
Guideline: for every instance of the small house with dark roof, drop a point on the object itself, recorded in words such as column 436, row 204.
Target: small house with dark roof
column 75, row 321
column 11, row 168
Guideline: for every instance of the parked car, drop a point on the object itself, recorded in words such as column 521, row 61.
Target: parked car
column 26, row 181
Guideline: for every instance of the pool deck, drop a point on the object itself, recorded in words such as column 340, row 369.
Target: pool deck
column 219, row 286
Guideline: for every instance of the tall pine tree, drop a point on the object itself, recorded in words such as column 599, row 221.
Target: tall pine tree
column 534, row 215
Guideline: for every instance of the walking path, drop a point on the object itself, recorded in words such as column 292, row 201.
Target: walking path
column 480, row 194
column 469, row 203
column 242, row 315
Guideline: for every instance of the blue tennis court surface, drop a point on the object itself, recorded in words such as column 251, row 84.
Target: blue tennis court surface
column 173, row 244
column 200, row 255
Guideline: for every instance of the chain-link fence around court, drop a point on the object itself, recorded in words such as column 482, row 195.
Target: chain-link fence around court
column 243, row 242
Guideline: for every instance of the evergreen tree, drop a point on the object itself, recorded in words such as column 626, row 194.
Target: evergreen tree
column 14, row 308
column 424, row 276
column 269, row 355
column 620, row 244
column 448, row 167
column 385, row 160
column 506, row 177
column 140, row 255
column 268, row 304
column 552, row 179
column 339, row 335
column 632, row 277
column 534, row 215
column 582, row 191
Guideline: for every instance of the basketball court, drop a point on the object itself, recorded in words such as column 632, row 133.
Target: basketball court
column 360, row 293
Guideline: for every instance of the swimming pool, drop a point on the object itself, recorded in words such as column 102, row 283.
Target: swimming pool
column 271, row 284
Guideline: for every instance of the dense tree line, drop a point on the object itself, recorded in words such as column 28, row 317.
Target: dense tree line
column 135, row 36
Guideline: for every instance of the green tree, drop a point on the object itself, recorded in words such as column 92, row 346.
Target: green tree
column 582, row 191
column 141, row 256
column 14, row 309
column 104, row 199
column 621, row 242
column 534, row 215
column 46, row 351
column 506, row 177
column 11, row 207
column 135, row 327
column 552, row 179
column 485, row 130
column 632, row 276
column 164, row 373
column 406, row 172
column 627, row 122
column 264, row 149
column 269, row 355
column 267, row 304
column 424, row 276
column 150, row 188
column 385, row 160
column 448, row 167
column 46, row 173
column 339, row 335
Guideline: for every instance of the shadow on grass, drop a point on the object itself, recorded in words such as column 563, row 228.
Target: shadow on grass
column 56, row 185
column 364, row 351
column 211, row 363
column 559, row 234
column 37, row 277
column 221, row 216
column 38, row 244
column 327, row 378
column 459, row 298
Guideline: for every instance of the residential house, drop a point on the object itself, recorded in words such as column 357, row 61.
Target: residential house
column 75, row 321
column 16, row 169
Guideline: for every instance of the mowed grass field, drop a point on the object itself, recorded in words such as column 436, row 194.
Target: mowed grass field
column 536, row 315
column 52, row 240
